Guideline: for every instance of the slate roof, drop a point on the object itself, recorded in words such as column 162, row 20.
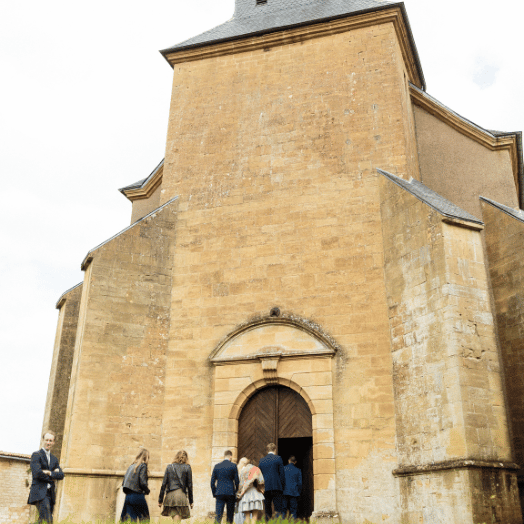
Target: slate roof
column 143, row 182
column 515, row 213
column 251, row 19
column 431, row 198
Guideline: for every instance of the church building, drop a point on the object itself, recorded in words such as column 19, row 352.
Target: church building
column 327, row 258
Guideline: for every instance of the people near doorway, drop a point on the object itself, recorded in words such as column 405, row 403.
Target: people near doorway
column 224, row 485
column 238, row 517
column 251, row 493
column 293, row 487
column 45, row 471
column 178, row 488
column 272, row 469
column 135, row 487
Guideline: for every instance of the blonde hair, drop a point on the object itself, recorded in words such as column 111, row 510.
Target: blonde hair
column 141, row 458
column 181, row 457
column 242, row 463
column 49, row 432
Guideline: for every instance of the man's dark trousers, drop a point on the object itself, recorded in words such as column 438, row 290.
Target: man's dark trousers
column 291, row 504
column 229, row 502
column 277, row 499
column 45, row 507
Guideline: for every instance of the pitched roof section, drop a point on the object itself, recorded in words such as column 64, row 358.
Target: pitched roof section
column 89, row 257
column 432, row 199
column 252, row 18
column 143, row 188
column 515, row 213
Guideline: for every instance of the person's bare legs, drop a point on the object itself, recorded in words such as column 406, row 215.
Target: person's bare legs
column 176, row 518
column 256, row 515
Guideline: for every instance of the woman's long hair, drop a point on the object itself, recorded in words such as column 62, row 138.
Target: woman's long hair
column 242, row 463
column 142, row 458
column 181, row 457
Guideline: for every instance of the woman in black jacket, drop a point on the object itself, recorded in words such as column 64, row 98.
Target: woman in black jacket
column 178, row 483
column 135, row 488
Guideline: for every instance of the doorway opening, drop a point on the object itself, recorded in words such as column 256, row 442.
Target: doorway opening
column 280, row 415
column 302, row 449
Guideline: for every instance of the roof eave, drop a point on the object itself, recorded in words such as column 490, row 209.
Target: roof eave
column 400, row 5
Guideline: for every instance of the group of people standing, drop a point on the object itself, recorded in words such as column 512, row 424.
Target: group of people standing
column 245, row 490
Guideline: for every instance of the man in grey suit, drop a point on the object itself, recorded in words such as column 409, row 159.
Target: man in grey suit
column 45, row 470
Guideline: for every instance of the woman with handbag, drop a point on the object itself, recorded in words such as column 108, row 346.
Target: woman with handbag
column 135, row 487
column 251, row 496
column 178, row 483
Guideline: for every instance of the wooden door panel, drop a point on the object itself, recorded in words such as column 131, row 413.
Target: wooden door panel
column 272, row 413
column 294, row 417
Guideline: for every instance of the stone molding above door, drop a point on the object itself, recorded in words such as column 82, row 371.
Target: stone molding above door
column 289, row 352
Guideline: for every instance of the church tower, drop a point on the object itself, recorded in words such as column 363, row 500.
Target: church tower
column 298, row 271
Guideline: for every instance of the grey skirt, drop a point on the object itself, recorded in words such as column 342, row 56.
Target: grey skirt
column 175, row 503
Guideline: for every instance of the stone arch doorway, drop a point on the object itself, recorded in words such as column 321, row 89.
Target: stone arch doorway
column 280, row 415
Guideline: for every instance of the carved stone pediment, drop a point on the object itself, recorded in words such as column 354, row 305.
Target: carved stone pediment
column 270, row 340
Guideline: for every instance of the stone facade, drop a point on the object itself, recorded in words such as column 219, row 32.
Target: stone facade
column 281, row 256
column 15, row 478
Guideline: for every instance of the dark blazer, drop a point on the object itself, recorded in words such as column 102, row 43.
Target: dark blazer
column 272, row 468
column 293, row 481
column 177, row 476
column 224, row 480
column 40, row 479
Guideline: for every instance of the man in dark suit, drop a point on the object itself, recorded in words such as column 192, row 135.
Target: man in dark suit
column 272, row 469
column 45, row 470
column 293, row 487
column 224, row 485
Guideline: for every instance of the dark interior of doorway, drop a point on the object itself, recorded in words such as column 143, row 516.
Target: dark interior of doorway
column 302, row 449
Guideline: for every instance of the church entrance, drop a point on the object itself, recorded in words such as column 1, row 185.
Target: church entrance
column 280, row 415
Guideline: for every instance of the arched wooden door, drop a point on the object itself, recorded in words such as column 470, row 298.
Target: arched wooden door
column 280, row 415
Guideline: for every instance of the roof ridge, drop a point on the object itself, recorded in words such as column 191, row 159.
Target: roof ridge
column 431, row 198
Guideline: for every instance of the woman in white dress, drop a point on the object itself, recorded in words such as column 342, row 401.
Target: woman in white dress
column 251, row 496
column 239, row 516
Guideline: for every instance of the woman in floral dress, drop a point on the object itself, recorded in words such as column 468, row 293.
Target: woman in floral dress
column 251, row 495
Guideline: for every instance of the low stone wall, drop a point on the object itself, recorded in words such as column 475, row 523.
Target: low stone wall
column 15, row 478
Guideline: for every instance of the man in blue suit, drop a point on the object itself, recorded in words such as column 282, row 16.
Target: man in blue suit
column 45, row 470
column 224, row 485
column 272, row 469
column 293, row 487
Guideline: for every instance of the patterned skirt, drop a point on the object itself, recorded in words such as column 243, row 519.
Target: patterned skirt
column 252, row 500
column 175, row 503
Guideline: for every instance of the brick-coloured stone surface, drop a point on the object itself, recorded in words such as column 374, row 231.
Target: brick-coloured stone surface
column 15, row 478
column 117, row 398
column 60, row 376
column 505, row 249
column 279, row 206
column 448, row 390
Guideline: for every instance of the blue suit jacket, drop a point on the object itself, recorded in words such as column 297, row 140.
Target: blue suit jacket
column 293, row 481
column 40, row 479
column 272, row 469
column 224, row 480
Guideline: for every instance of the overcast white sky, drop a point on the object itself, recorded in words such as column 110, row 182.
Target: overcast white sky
column 84, row 100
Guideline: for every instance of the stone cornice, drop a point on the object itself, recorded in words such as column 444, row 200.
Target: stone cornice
column 85, row 472
column 508, row 142
column 293, row 35
column 404, row 471
column 147, row 189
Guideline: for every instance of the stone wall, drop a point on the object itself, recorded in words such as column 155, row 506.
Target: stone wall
column 448, row 387
column 505, row 248
column 116, row 401
column 61, row 366
column 15, row 478
column 279, row 206
column 461, row 169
